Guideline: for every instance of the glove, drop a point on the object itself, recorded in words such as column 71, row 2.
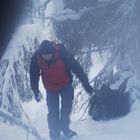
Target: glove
column 38, row 96
column 89, row 89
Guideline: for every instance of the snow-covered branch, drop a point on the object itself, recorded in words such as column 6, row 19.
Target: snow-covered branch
column 98, row 50
column 74, row 15
column 29, row 129
column 108, row 66
column 42, row 5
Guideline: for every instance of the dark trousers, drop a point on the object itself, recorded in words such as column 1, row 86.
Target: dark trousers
column 59, row 114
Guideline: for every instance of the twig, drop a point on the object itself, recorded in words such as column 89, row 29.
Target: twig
column 84, row 112
column 87, row 100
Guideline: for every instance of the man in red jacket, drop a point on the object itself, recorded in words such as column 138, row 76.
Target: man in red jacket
column 55, row 64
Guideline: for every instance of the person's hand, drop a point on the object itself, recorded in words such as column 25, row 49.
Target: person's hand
column 89, row 90
column 38, row 97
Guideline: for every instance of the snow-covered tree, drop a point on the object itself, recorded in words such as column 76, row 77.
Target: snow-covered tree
column 114, row 25
column 107, row 27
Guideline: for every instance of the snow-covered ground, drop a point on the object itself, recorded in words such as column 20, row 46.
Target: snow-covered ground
column 126, row 128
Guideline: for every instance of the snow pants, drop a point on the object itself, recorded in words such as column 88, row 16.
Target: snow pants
column 59, row 112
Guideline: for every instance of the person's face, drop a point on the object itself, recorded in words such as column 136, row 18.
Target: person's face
column 47, row 56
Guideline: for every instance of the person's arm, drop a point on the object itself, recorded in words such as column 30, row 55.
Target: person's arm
column 76, row 68
column 34, row 75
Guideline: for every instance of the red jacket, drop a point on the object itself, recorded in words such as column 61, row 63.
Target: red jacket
column 54, row 75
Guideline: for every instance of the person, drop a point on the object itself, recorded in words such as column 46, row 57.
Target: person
column 53, row 62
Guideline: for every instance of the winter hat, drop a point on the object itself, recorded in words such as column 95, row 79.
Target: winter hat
column 46, row 47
